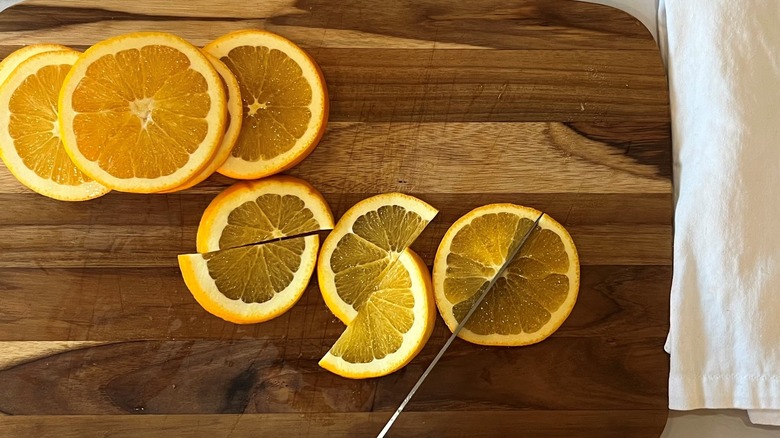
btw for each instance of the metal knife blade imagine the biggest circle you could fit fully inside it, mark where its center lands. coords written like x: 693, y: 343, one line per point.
x: 512, y: 254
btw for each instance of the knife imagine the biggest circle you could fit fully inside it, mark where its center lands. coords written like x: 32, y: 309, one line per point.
x: 460, y: 326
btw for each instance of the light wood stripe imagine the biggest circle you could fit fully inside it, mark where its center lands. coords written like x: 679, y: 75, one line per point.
x: 465, y: 158
x: 17, y: 352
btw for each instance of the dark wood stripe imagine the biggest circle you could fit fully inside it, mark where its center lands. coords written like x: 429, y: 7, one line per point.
x: 256, y: 376
x: 128, y: 304
x: 519, y: 24
x: 477, y: 424
x: 491, y: 23
x: 411, y: 85
x: 647, y: 145
x: 492, y: 85
x: 186, y: 208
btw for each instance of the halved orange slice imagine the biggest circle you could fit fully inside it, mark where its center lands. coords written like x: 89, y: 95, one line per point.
x: 258, y: 211
x: 363, y: 244
x: 254, y: 283
x: 392, y: 323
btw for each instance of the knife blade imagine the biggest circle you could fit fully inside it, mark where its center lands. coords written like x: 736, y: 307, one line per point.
x: 512, y: 254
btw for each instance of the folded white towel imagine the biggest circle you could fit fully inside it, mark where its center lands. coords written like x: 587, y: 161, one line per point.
x: 724, y: 76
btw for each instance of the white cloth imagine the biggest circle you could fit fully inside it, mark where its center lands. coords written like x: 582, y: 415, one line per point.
x: 724, y: 77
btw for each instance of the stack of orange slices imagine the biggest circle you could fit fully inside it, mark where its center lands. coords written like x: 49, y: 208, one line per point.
x: 149, y: 112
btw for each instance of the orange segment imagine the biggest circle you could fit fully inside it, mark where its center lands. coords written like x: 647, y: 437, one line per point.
x: 30, y: 145
x: 142, y: 112
x: 392, y: 325
x: 284, y: 97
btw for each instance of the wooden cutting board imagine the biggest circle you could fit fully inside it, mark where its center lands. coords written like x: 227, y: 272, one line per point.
x: 558, y: 105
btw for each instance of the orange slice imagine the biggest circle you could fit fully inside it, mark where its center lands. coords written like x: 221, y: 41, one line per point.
x: 258, y: 211
x: 13, y: 60
x: 285, y: 102
x: 234, y: 120
x: 377, y: 286
x: 246, y: 272
x: 533, y: 296
x: 142, y: 112
x: 30, y: 145
x: 392, y: 323
x: 251, y: 284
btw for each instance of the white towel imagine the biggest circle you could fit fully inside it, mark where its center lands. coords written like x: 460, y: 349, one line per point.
x: 724, y: 77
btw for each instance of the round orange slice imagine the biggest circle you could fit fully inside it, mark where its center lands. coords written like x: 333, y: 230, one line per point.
x: 251, y: 212
x: 30, y: 144
x: 285, y: 102
x: 531, y: 298
x: 142, y: 112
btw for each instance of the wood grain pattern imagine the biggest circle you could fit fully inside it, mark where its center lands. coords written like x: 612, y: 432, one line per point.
x: 282, y: 375
x: 402, y: 85
x: 547, y: 25
x: 157, y: 246
x: 443, y: 158
x: 106, y: 304
x: 14, y: 353
x: 556, y: 104
x: 584, y: 423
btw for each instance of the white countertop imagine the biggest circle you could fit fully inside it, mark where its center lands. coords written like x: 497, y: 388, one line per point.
x: 644, y: 10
